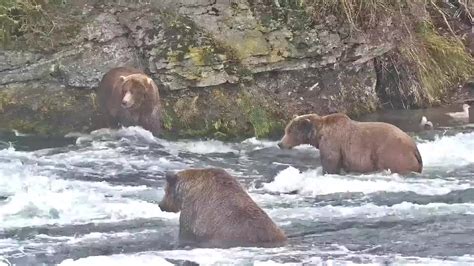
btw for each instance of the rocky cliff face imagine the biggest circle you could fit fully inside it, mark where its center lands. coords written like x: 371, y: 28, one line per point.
x: 224, y: 68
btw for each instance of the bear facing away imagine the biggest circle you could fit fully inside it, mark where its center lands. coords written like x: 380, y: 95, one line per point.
x: 216, y: 211
x: 354, y: 146
x: 128, y: 97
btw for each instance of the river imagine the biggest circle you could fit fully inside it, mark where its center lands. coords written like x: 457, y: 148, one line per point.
x: 91, y: 199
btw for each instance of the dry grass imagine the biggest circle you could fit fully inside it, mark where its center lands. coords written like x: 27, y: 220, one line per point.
x: 360, y: 14
x: 18, y: 17
x: 441, y: 62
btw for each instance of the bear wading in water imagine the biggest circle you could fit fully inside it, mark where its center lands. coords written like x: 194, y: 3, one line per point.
x: 354, y: 146
x: 128, y: 97
x: 216, y: 211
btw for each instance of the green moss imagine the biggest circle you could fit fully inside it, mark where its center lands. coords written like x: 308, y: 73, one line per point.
x: 180, y: 34
x: 5, y: 100
x: 167, y: 120
x: 30, y: 110
x: 219, y: 113
x: 175, y: 56
x: 202, y: 56
x: 257, y: 115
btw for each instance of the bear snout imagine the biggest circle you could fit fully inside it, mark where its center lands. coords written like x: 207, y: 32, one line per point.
x: 163, y: 206
x: 127, y: 100
x: 167, y: 207
x: 284, y: 145
x: 160, y: 204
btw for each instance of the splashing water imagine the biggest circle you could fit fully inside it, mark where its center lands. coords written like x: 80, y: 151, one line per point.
x: 94, y: 202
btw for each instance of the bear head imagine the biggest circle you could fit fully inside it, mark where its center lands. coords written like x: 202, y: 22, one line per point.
x: 194, y: 184
x: 300, y: 130
x: 135, y: 90
x: 171, y: 202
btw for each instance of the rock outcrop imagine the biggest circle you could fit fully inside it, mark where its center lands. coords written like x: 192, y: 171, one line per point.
x: 224, y: 68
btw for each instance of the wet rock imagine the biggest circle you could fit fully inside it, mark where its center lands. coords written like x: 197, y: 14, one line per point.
x: 286, y: 61
x: 328, y: 90
x: 46, y: 108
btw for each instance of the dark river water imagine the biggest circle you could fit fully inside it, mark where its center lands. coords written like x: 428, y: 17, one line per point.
x: 92, y: 200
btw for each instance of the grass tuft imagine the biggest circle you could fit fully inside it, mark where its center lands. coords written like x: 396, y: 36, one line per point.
x: 360, y: 14
x: 441, y: 62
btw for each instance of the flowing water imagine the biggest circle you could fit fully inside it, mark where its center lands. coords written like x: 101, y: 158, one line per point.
x: 92, y: 200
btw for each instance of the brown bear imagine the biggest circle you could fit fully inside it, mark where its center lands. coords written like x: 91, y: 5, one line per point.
x: 216, y: 211
x: 354, y: 146
x: 128, y: 97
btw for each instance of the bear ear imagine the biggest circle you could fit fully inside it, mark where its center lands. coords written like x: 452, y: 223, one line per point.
x: 123, y: 78
x: 149, y: 81
x: 171, y: 178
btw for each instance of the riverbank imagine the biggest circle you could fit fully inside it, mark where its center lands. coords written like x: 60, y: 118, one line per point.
x: 229, y: 69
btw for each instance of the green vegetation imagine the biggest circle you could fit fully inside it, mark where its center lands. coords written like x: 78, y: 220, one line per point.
x: 441, y: 62
x: 35, y: 23
x: 20, y: 16
x: 432, y: 62
x: 256, y: 114
x: 221, y: 114
x: 359, y: 14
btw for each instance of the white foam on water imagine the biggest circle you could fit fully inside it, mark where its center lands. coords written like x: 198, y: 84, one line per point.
x: 271, y: 263
x: 243, y: 256
x: 259, y: 256
x: 395, y: 259
x: 133, y: 132
x: 117, y: 260
x: 233, y: 256
x: 4, y: 262
x: 99, y: 160
x: 51, y: 244
x: 38, y: 196
x: 313, y: 182
x: 95, y: 237
x: 457, y: 150
x: 258, y: 144
x: 8, y: 245
x: 199, y: 146
x: 404, y: 210
x: 35, y: 199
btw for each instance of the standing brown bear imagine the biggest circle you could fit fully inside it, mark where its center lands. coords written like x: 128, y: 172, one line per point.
x: 216, y: 211
x: 128, y: 97
x: 354, y: 146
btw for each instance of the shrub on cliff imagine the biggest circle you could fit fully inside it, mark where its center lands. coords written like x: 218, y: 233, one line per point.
x: 433, y: 60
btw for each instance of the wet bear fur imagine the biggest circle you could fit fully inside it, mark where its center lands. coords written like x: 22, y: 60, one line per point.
x: 354, y: 146
x: 128, y: 97
x: 217, y: 212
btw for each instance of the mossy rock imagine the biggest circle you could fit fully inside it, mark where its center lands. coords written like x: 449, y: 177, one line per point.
x: 41, y: 110
x: 220, y: 113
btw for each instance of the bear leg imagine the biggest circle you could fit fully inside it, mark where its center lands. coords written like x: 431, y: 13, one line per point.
x: 330, y: 157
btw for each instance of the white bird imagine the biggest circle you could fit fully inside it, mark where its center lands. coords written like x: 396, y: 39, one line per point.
x: 425, y: 123
x: 464, y: 115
